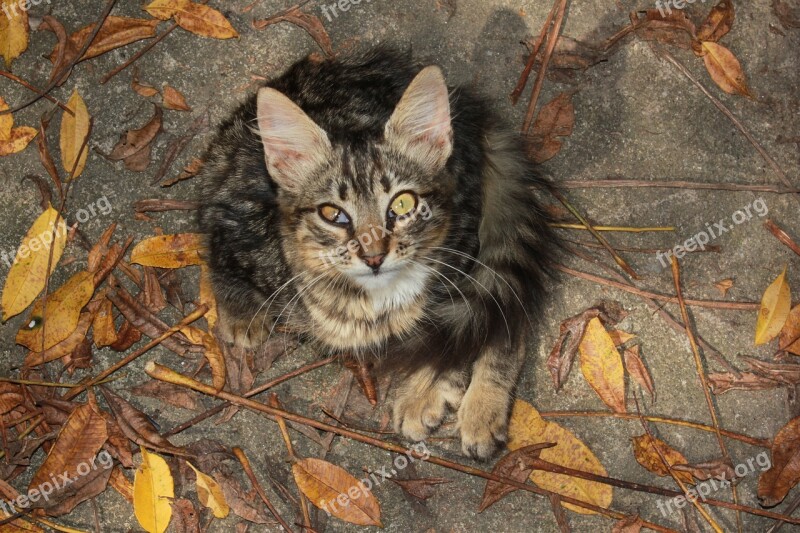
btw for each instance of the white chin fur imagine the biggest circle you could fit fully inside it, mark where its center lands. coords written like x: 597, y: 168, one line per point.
x: 394, y: 288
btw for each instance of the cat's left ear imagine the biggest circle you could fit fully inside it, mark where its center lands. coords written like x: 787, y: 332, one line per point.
x: 420, y: 125
x: 294, y: 146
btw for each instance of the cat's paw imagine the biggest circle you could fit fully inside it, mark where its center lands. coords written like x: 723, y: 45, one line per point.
x: 420, y: 406
x: 483, y: 421
x: 247, y: 334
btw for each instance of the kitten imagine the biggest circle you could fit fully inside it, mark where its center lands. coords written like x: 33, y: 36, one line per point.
x: 366, y: 205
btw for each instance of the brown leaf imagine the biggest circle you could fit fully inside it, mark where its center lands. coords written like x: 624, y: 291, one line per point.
x: 602, y: 365
x: 423, y: 488
x: 721, y: 469
x: 132, y: 142
x: 169, y: 393
x: 516, y: 465
x: 185, y: 519
x: 573, y: 54
x: 786, y: 373
x: 115, y: 33
x: 140, y: 88
x: 324, y: 484
x: 648, y: 452
x: 204, y: 21
x: 365, y: 378
x: 556, y: 119
x: 127, y: 336
x: 638, y: 371
x: 788, y: 15
x: 310, y: 23
x: 724, y: 286
x: 673, y: 28
x: 173, y: 99
x: 722, y: 382
x: 153, y: 295
x: 118, y: 445
x: 121, y: 484
x: 725, y: 69
x: 789, y: 337
x: 629, y: 524
x: 103, y: 330
x: 718, y: 22
x: 775, y: 483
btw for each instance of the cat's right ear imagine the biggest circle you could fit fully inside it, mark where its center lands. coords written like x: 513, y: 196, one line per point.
x: 294, y: 146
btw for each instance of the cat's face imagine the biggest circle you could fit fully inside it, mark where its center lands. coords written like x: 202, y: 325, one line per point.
x: 368, y: 214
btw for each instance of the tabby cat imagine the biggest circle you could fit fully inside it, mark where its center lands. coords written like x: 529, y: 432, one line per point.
x: 363, y: 203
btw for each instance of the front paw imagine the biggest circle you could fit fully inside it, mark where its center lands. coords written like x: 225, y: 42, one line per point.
x: 248, y: 334
x: 420, y: 405
x: 483, y: 422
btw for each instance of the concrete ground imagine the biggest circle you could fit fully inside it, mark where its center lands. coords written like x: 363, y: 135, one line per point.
x: 636, y: 117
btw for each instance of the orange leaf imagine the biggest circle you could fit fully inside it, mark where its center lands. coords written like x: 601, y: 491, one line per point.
x: 646, y: 451
x: 775, y: 306
x: 790, y: 334
x: 103, y: 325
x: 17, y: 141
x: 725, y: 69
x: 204, y: 21
x: 602, y: 365
x: 718, y: 22
x: 173, y: 99
x: 169, y: 251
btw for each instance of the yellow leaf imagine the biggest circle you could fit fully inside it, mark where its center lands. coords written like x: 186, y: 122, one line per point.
x: 215, y: 360
x: 204, y: 21
x: 61, y: 314
x: 103, y: 326
x: 14, y: 30
x: 646, y: 451
x: 165, y: 9
x: 168, y: 251
x: 790, y: 334
x: 775, y: 305
x: 725, y: 69
x: 6, y: 122
x: 602, y: 365
x: 326, y: 485
x: 27, y: 275
x: 68, y: 345
x: 527, y: 427
x: 17, y: 140
x: 74, y: 130
x: 210, y: 493
x: 153, y: 490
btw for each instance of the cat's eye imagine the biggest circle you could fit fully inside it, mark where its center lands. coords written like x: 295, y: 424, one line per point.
x: 402, y: 204
x: 334, y: 215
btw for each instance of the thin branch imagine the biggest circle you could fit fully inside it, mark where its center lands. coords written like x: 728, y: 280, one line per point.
x: 622, y: 183
x: 36, y: 90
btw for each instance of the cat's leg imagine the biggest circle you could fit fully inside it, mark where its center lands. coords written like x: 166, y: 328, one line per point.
x: 240, y: 320
x: 423, y: 399
x: 485, y: 408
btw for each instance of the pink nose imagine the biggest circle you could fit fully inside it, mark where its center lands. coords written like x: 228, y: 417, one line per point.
x: 374, y: 261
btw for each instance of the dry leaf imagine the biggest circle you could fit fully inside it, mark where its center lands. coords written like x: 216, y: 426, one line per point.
x: 68, y: 345
x: 216, y: 361
x: 784, y: 472
x: 516, y: 465
x: 788, y: 14
x: 169, y: 393
x: 722, y: 382
x: 28, y: 273
x: 602, y: 365
x: 74, y: 130
x: 6, y: 122
x: 173, y: 99
x: 18, y: 140
x: 718, y: 22
x: 14, y: 30
x: 134, y: 146
x: 61, y: 314
x: 153, y: 490
x: 527, y: 427
x: 724, y: 286
x: 629, y: 524
x: 165, y: 9
x: 204, y: 21
x: 207, y: 296
x: 725, y: 69
x: 186, y: 519
x: 310, y: 23
x: 169, y: 251
x: 555, y: 119
x: 323, y: 483
x: 103, y: 325
x: 121, y: 484
x: 210, y: 493
x: 775, y: 306
x: 789, y: 339
x: 720, y: 469
x: 115, y: 33
x: 142, y: 88
x: 635, y: 367
x: 646, y: 451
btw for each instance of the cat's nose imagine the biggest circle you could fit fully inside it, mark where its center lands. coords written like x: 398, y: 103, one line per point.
x: 374, y: 261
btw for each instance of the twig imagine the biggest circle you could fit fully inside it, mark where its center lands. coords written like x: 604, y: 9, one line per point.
x: 615, y: 183
x: 548, y: 53
x: 711, y: 304
x: 612, y: 228
x: 239, y: 453
x: 36, y: 90
x: 762, y: 443
x: 782, y: 236
x: 274, y: 403
x: 523, y: 79
x: 708, y: 248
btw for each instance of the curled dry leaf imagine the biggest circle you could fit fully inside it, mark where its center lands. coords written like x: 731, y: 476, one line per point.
x: 74, y: 130
x: 721, y: 469
x: 723, y: 286
x: 556, y: 119
x: 210, y: 493
x: 789, y: 338
x: 169, y: 251
x: 423, y: 488
x: 629, y: 524
x: 173, y: 99
x: 14, y: 30
x: 68, y: 345
x: 725, y: 69
x: 142, y: 89
x: 775, y: 306
x: 103, y: 325
x: 6, y: 121
x: 310, y: 23
x: 216, y: 361
x: 121, y: 484
x: 60, y: 317
x: 186, y: 518
x: 648, y: 452
x: 527, y: 427
x: 516, y: 465
x: 153, y: 490
x: 167, y: 392
x: 13, y: 140
x: 775, y: 483
x: 638, y: 371
x: 323, y: 482
x: 207, y: 297
x: 204, y: 21
x: 115, y: 33
x: 718, y: 23
x: 28, y: 273
x: 722, y: 382
x: 602, y: 365
x: 134, y: 146
x: 165, y: 9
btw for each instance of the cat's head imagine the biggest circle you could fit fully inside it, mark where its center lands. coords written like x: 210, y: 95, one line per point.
x: 370, y: 211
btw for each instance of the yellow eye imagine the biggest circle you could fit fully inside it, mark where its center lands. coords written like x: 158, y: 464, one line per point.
x: 333, y: 214
x: 402, y: 204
